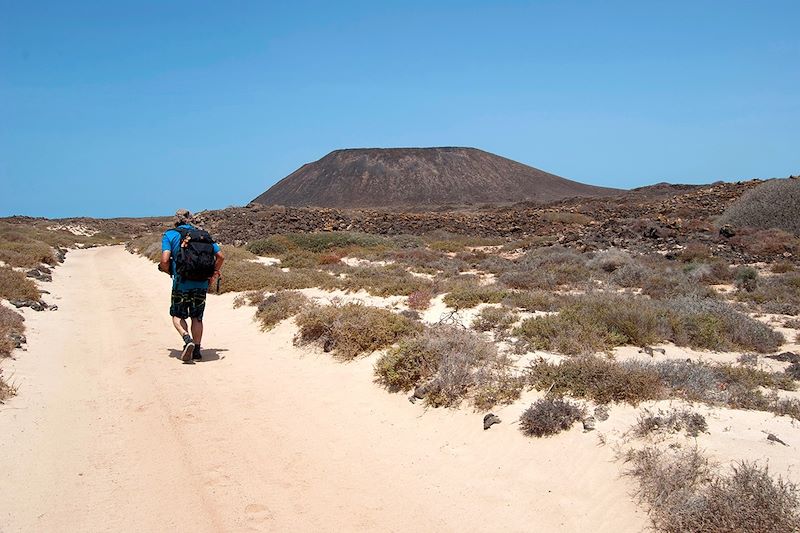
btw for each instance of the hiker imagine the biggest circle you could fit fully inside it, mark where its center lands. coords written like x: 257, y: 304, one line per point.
x: 193, y: 259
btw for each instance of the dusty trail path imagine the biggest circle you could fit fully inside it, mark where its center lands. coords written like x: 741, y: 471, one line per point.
x: 110, y: 432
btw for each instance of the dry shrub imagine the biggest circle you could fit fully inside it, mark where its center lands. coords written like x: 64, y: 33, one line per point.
x: 598, y: 322
x: 594, y: 323
x: 420, y: 300
x: 240, y: 276
x: 280, y: 306
x: 452, y: 363
x: 610, y: 260
x: 773, y: 204
x: 147, y: 245
x: 776, y: 294
x: 781, y: 267
x: 597, y: 379
x: 249, y: 298
x: 767, y: 243
x: 11, y: 323
x: 550, y: 416
x: 27, y: 254
x: 533, y: 301
x: 671, y: 421
x: 497, y: 319
x: 684, y: 493
x: 352, y: 329
x: 14, y: 285
x: 548, y: 268
x: 469, y: 295
x: 695, y: 252
x: 389, y: 280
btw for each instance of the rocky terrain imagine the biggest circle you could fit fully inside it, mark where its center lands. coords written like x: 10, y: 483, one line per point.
x: 419, y: 178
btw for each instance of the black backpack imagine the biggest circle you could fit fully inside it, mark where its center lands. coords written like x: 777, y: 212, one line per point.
x: 195, y: 260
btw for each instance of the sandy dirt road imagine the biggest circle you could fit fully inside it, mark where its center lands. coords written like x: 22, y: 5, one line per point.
x: 110, y: 432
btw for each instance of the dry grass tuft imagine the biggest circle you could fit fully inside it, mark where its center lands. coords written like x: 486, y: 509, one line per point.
x: 14, y: 285
x: 671, y: 421
x: 550, y: 416
x: 11, y: 324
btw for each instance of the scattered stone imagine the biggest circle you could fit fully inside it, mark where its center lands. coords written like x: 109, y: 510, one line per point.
x: 420, y: 391
x: 33, y: 304
x: 649, y: 350
x: 588, y: 423
x: 490, y: 420
x: 601, y: 413
x: 53, y: 308
x: 727, y: 231
x: 39, y: 275
x: 18, y: 339
x: 773, y: 438
x: 785, y: 357
x: 60, y: 254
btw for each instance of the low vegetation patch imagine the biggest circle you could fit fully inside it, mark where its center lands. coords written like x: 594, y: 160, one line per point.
x: 773, y: 204
x: 597, y: 379
x: 670, y: 421
x: 496, y: 319
x: 11, y: 325
x: 15, y: 286
x: 280, y: 306
x: 470, y: 295
x: 598, y: 322
x: 352, y: 329
x: 449, y: 363
x: 685, y: 493
x: 550, y: 416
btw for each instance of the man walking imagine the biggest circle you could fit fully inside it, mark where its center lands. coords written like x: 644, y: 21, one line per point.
x: 193, y: 260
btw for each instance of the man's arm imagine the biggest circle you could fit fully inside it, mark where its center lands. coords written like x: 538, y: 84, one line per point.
x: 163, y: 266
x: 218, y: 260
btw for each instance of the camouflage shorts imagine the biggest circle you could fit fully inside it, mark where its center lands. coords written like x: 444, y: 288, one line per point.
x: 188, y: 303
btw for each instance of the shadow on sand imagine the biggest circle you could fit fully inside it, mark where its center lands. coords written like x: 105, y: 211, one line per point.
x: 209, y: 354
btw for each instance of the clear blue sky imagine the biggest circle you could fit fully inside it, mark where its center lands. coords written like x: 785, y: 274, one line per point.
x: 115, y: 108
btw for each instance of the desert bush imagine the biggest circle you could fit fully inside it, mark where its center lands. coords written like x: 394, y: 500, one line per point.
x: 27, y: 254
x: 767, y: 243
x: 533, y: 300
x: 776, y: 294
x: 684, y: 493
x: 773, y: 204
x: 695, y: 252
x: 497, y: 319
x: 147, y: 245
x: 11, y: 323
x: 452, y: 363
x: 352, y: 329
x: 274, y: 245
x: 671, y: 421
x: 594, y: 323
x: 299, y: 259
x: 787, y: 407
x: 420, y: 300
x: 793, y: 371
x: 280, y: 306
x: 610, y: 260
x: 464, y: 296
x: 781, y: 267
x: 548, y: 268
x: 14, y: 285
x: 596, y: 379
x: 550, y: 416
x: 388, y: 280
x: 240, y: 276
x: 717, y: 325
x: 746, y: 278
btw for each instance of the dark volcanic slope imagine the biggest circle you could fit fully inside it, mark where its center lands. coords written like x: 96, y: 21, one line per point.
x: 415, y: 177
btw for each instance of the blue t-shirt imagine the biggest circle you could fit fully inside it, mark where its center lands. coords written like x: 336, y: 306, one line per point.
x: 171, y: 242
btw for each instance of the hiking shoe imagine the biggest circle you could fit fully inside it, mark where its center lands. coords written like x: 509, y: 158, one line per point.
x: 188, y: 350
x: 196, y: 355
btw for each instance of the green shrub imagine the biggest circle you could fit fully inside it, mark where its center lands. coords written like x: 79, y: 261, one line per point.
x: 352, y: 329
x: 469, y: 296
x: 550, y: 416
x: 533, y: 301
x: 390, y: 280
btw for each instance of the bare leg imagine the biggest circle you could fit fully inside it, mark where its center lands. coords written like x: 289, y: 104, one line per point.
x: 197, y: 330
x: 180, y: 325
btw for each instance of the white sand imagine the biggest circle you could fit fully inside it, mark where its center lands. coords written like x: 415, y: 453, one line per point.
x: 110, y: 433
